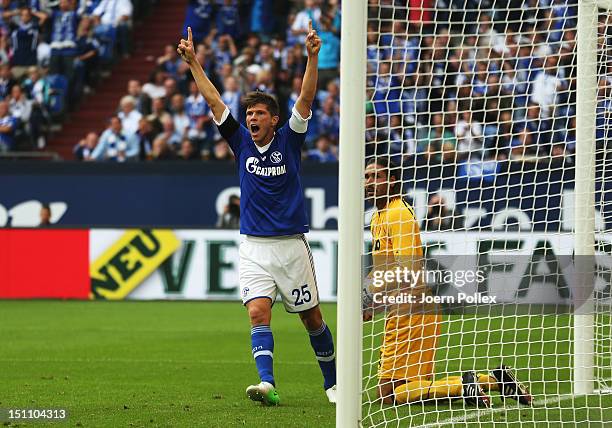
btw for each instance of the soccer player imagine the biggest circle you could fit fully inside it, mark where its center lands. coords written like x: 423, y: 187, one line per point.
x: 274, y: 256
x: 407, y: 356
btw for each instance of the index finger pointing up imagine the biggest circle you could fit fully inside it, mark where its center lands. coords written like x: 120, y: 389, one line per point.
x: 310, y: 25
x: 189, y: 35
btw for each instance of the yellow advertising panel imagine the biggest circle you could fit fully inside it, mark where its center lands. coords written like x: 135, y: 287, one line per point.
x: 126, y: 264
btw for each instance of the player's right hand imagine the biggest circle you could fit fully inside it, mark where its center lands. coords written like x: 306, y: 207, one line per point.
x: 185, y: 48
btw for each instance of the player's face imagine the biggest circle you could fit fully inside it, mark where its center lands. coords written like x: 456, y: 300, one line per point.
x: 376, y: 181
x: 260, y: 123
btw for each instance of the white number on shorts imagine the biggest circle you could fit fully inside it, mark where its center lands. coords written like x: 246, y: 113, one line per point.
x: 302, y: 295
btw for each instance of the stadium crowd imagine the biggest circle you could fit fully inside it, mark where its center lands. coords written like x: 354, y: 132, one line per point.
x: 445, y: 85
x: 466, y: 82
x: 242, y: 49
x: 50, y: 51
x: 473, y: 85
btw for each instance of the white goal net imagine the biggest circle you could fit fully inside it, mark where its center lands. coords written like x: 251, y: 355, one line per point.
x: 472, y: 178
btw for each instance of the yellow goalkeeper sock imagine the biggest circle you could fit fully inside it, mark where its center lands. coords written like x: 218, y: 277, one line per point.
x: 488, y: 382
x: 427, y: 390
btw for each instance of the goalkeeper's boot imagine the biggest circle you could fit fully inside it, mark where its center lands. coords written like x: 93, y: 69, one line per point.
x: 263, y: 392
x: 473, y: 394
x: 509, y: 385
x: 331, y: 394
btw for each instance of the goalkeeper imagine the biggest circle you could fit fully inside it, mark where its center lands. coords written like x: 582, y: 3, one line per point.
x: 407, y: 356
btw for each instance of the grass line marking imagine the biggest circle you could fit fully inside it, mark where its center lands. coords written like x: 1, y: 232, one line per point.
x: 476, y: 414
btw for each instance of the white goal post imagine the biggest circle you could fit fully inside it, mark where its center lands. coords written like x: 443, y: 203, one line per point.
x: 584, y: 372
x: 584, y: 234
x: 350, y: 201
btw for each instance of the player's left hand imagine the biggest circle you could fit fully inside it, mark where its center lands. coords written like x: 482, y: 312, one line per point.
x: 185, y: 48
x: 313, y: 41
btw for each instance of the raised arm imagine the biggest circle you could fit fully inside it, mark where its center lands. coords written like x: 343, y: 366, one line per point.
x: 309, y: 83
x: 208, y: 90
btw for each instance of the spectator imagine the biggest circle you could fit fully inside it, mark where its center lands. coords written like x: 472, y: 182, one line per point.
x: 231, y: 95
x: 88, y: 49
x: 310, y: 13
x: 198, y: 17
x: 329, y: 119
x: 83, y: 150
x: 171, y: 89
x: 331, y: 90
x: 129, y: 116
x: 228, y: 20
x: 224, y: 51
x: 488, y: 37
x: 113, y: 144
x: 155, y: 87
x: 187, y: 151
x: 296, y: 87
x: 469, y: 135
x: 439, y: 217
x: 547, y: 85
x: 323, y: 151
x: 7, y: 128
x: 143, y: 102
x: 143, y: 139
x: 222, y: 151
x: 230, y: 219
x: 21, y: 109
x: 169, y: 62
x: 113, y: 21
x: 45, y: 216
x: 198, y: 111
x: 64, y: 40
x: 290, y: 38
x: 6, y: 80
x: 161, y: 150
x: 24, y: 40
x: 329, y: 56
x: 538, y: 127
x: 181, y: 120
x: 4, y: 49
x: 265, y: 58
x: 264, y: 82
x: 262, y: 17
x: 36, y: 88
x: 158, y: 111
x: 36, y: 85
x: 171, y: 136
x: 414, y: 98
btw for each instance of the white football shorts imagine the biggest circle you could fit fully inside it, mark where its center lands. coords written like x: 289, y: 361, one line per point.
x: 278, y: 265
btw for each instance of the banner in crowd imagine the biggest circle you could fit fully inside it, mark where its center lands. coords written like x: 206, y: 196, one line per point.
x: 194, y: 195
x: 195, y: 264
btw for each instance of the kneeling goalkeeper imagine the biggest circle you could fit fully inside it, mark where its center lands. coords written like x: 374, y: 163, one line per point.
x: 407, y: 356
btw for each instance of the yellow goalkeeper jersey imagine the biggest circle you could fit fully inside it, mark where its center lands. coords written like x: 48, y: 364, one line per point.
x: 395, y: 230
x: 410, y: 340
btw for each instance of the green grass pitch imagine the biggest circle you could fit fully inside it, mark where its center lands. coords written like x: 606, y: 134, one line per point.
x: 186, y: 364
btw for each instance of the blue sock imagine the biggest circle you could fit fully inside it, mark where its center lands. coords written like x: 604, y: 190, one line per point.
x: 262, y: 342
x: 323, y: 344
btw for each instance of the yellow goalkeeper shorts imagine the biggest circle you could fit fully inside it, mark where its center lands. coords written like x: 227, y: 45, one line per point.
x: 409, y: 347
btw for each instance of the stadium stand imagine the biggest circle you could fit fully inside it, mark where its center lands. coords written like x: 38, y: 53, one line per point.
x: 501, y: 92
x: 51, y: 55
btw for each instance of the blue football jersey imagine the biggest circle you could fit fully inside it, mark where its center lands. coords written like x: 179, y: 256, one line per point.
x: 271, y: 196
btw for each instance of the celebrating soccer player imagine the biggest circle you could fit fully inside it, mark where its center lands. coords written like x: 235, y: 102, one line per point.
x: 274, y: 255
x: 407, y: 356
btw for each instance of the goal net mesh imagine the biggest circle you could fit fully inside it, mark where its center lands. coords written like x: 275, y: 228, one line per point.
x: 471, y: 107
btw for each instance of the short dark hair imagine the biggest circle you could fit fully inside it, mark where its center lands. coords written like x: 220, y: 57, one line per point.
x: 392, y: 170
x: 258, y: 97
